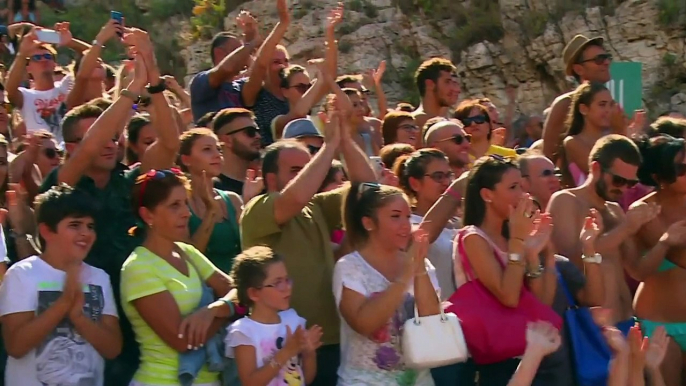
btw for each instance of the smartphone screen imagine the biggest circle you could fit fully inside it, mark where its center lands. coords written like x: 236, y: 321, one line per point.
x: 378, y: 165
x: 48, y: 36
x: 118, y: 17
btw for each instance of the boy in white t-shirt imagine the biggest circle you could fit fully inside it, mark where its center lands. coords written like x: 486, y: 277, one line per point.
x: 58, y: 314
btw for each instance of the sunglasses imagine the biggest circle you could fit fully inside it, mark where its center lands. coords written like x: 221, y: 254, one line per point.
x: 619, y: 181
x: 545, y: 173
x: 250, y: 131
x: 409, y: 127
x: 458, y: 139
x: 78, y: 140
x: 8, y: 107
x: 598, y: 59
x: 367, y: 186
x: 313, y: 149
x: 440, y: 177
x: 281, y: 285
x: 478, y: 119
x: 301, y: 87
x: 39, y: 57
x: 153, y: 174
x: 50, y: 153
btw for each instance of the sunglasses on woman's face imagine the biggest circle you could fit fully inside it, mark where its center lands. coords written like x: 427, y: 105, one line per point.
x: 477, y: 119
x: 39, y: 57
x: 281, y: 285
x: 440, y: 177
x: 619, y: 181
x: 50, y: 153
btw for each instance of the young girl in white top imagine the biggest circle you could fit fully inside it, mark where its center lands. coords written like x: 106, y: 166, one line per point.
x: 271, y: 345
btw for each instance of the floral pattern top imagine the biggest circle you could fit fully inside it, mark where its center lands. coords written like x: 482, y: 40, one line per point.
x: 375, y: 360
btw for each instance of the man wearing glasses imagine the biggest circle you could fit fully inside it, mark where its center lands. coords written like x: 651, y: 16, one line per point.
x: 449, y: 137
x: 539, y: 178
x: 587, y: 61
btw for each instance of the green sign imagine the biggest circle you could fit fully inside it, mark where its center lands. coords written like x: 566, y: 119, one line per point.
x: 626, y: 85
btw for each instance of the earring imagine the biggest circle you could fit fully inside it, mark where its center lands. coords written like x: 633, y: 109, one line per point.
x: 488, y: 201
x: 149, y: 225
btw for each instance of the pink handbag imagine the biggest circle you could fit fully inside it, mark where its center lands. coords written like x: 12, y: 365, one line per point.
x: 493, y: 331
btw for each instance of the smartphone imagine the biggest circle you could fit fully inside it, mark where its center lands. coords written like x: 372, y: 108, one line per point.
x: 378, y: 165
x: 48, y: 36
x: 118, y: 17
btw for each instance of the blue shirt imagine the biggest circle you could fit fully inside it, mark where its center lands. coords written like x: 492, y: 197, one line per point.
x: 205, y: 99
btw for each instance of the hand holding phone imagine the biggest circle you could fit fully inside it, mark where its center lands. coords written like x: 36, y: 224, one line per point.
x: 118, y: 17
x: 378, y: 165
x: 48, y: 36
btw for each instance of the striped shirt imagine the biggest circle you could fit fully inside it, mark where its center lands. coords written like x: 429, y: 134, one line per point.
x: 144, y: 274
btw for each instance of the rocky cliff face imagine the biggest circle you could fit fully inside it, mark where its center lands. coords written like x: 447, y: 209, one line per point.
x: 521, y: 46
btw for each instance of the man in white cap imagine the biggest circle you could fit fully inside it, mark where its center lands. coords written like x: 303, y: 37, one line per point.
x: 587, y: 61
x: 305, y: 132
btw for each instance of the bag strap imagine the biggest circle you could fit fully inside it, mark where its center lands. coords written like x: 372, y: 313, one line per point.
x: 463, y: 255
x: 440, y: 308
x: 565, y: 289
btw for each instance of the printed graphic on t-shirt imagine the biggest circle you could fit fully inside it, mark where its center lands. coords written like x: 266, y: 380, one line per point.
x: 291, y: 374
x: 65, y: 358
x: 51, y: 112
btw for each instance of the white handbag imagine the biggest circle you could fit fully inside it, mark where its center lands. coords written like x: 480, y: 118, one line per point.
x: 433, y: 341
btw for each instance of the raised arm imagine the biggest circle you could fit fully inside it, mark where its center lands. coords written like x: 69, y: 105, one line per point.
x: 237, y: 60
x: 265, y: 54
x: 304, y: 186
x: 302, y: 107
x: 29, y: 43
x: 554, y: 127
x: 104, y: 129
x: 161, y: 154
x: 90, y: 61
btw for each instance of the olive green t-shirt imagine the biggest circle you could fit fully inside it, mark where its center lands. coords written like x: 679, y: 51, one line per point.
x: 305, y: 244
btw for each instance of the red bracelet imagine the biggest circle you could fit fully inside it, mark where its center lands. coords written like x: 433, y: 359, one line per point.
x: 453, y: 194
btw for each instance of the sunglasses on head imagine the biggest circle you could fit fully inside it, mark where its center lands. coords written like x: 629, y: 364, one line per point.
x: 458, y: 139
x: 478, y: 119
x: 301, y: 87
x: 153, y: 174
x: 39, y: 57
x: 366, y: 187
x: 619, y: 181
x: 250, y: 131
x: 440, y: 177
x: 598, y: 59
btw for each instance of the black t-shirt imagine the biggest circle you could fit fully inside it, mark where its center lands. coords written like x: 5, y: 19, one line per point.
x: 226, y: 183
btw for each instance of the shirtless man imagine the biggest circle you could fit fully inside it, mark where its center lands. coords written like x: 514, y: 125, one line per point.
x: 659, y: 300
x: 438, y: 88
x: 614, y: 162
x: 587, y: 61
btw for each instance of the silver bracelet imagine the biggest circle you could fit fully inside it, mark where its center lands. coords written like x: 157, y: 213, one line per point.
x: 537, y: 273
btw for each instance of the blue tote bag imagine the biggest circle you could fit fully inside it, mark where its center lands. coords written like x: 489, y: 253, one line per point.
x: 590, y: 351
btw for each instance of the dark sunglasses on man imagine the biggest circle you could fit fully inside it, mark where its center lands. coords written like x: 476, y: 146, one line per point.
x: 619, y: 181
x: 250, y: 131
x: 598, y: 59
x: 302, y: 87
x: 458, y: 139
x: 39, y: 57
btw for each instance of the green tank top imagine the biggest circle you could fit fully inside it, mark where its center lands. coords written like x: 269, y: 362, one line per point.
x: 225, y: 241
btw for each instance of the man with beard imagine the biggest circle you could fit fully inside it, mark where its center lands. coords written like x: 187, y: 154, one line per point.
x: 614, y: 162
x: 538, y: 178
x: 241, y: 144
x: 587, y: 61
x: 449, y: 137
x: 438, y: 88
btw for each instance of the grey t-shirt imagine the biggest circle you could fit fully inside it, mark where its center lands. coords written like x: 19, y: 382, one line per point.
x: 558, y: 368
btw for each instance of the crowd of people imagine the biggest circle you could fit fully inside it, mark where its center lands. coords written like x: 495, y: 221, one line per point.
x: 270, y: 227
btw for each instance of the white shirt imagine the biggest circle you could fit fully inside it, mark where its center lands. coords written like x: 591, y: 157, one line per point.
x: 64, y: 358
x: 375, y: 360
x: 44, y: 110
x: 267, y: 339
x: 441, y: 256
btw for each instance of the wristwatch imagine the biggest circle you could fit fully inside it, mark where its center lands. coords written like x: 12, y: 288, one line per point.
x: 537, y: 273
x: 95, y: 42
x: 130, y: 94
x: 158, y: 88
x: 595, y: 259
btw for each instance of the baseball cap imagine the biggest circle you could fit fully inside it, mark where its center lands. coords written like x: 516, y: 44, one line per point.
x: 303, y: 127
